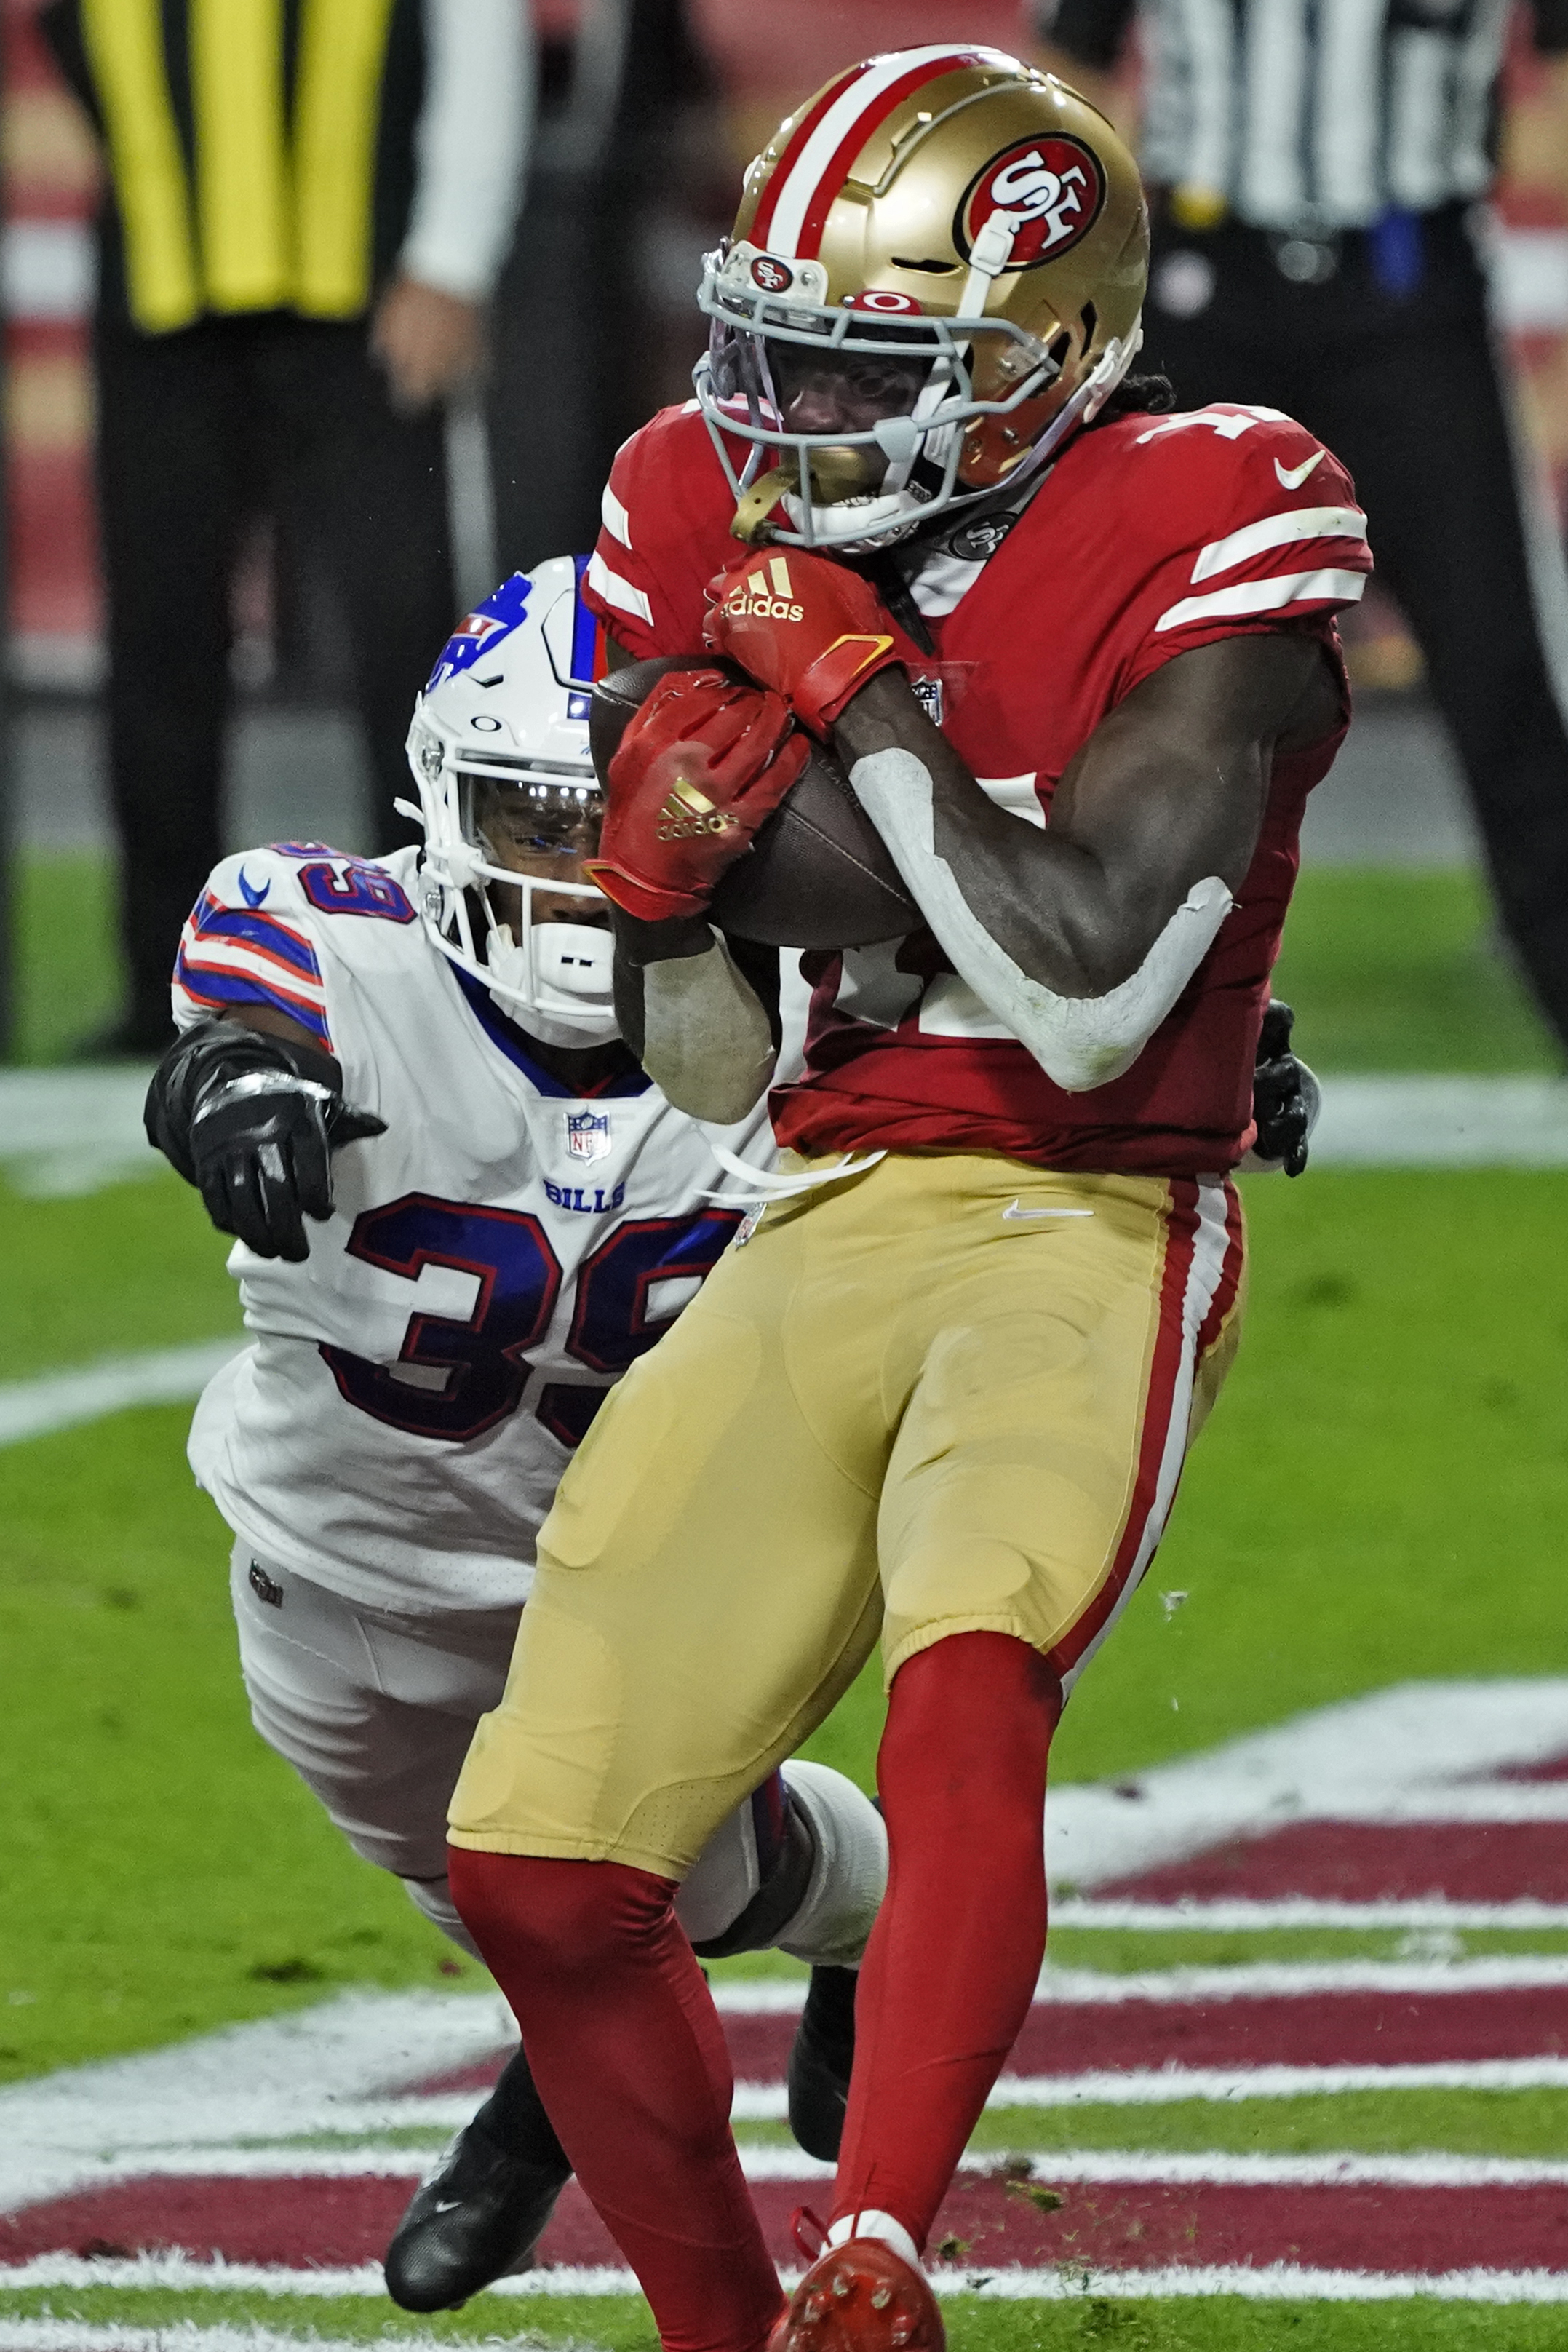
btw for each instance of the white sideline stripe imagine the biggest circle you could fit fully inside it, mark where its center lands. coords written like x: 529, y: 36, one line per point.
x: 1166, y: 2086
x: 1334, y: 2169
x: 1432, y: 1738
x: 1278, y: 530
x: 615, y: 518
x: 1267, y: 596
x: 357, y: 2163
x: 1274, y: 2283
x: 1410, y: 1121
x: 184, y: 2273
x: 264, y: 2081
x: 1303, y: 1979
x: 1252, y: 1981
x: 1271, y: 2282
x: 1234, y: 1916
x: 63, y: 1399
x: 617, y: 592
x: 64, y: 1133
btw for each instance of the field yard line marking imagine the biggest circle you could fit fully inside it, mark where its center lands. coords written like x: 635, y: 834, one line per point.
x: 53, y: 1400
x: 1236, y: 1915
x: 1380, y: 1746
x: 1166, y: 2085
x: 1271, y: 2282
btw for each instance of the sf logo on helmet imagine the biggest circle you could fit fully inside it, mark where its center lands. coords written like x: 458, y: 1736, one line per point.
x: 1051, y: 190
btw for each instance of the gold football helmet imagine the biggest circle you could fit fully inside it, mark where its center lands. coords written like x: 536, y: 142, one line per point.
x: 935, y: 273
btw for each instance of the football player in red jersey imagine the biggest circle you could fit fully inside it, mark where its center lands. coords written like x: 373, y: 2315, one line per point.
x: 944, y: 1391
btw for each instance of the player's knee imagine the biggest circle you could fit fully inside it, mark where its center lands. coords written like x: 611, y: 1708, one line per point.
x: 434, y: 1897
x: 964, y: 1704
x: 530, y: 1911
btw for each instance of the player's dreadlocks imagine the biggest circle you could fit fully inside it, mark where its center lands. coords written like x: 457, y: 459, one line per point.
x: 1135, y: 396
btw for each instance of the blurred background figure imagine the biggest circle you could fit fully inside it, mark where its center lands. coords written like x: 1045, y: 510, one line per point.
x: 1315, y: 175
x: 304, y: 212
x: 647, y: 112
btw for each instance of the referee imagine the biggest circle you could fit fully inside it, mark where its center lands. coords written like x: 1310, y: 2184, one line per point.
x: 307, y: 204
x: 1315, y: 171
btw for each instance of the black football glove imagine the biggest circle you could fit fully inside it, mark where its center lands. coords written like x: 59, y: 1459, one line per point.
x: 252, y: 1121
x: 1286, y: 1096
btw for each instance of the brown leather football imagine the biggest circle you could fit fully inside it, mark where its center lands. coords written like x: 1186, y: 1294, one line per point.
x: 816, y: 876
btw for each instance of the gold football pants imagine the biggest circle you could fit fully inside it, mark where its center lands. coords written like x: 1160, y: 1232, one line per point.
x: 952, y: 1394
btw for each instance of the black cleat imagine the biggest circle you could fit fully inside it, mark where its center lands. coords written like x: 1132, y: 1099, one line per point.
x: 820, y: 2057
x: 483, y: 2210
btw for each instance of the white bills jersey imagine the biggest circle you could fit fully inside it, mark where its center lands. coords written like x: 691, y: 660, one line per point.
x: 413, y: 1393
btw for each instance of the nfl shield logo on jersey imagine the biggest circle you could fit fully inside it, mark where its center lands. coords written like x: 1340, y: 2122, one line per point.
x: 588, y: 1134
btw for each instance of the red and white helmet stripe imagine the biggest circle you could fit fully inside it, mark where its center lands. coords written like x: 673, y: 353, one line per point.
x: 826, y: 142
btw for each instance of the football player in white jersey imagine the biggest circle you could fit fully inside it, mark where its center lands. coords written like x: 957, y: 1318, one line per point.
x: 421, y: 1057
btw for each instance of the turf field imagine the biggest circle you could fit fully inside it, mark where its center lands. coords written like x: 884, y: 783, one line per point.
x: 1379, y: 1500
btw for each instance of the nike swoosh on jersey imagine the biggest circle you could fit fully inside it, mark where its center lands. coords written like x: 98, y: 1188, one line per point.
x: 1293, y: 477
x: 1015, y: 1213
x: 248, y: 891
x: 446, y: 2204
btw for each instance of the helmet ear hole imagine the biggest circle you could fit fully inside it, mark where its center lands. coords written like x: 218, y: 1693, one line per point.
x: 1091, y: 318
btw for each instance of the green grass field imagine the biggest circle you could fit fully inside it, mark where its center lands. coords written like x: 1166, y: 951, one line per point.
x: 1380, y: 1497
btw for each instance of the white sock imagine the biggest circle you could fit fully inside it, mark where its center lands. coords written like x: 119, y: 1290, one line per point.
x: 831, y: 1926
x: 873, y: 2224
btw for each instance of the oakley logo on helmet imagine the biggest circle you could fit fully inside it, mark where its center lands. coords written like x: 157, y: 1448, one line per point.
x: 773, y: 276
x: 884, y: 299
x: 1050, y: 190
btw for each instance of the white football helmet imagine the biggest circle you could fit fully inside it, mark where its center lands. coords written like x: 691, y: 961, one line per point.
x: 500, y: 736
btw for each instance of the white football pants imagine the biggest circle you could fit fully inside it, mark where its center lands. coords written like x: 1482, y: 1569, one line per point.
x: 374, y: 1710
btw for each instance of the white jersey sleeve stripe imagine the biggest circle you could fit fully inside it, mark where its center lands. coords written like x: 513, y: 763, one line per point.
x: 1267, y: 596
x: 1278, y: 530
x: 618, y: 592
x: 616, y: 519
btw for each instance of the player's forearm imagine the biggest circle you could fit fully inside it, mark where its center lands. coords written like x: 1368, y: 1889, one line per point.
x: 1080, y: 955
x: 697, y: 1027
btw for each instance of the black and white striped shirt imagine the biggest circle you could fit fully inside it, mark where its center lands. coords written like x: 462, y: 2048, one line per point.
x: 1303, y: 114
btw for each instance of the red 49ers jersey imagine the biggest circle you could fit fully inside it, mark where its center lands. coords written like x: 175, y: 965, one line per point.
x: 1150, y: 536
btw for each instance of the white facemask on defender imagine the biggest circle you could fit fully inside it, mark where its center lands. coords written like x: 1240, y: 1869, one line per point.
x: 498, y: 748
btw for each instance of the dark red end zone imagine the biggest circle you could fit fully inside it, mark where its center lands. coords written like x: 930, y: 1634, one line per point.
x: 986, y: 2222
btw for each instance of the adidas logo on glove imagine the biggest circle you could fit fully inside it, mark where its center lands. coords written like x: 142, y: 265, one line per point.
x: 688, y: 811
x: 766, y: 594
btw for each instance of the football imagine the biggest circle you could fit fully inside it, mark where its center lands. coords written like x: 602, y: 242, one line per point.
x: 816, y: 876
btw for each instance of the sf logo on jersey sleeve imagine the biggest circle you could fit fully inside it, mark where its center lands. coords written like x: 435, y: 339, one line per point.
x: 1050, y: 191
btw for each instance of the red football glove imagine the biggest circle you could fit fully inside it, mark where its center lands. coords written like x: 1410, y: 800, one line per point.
x: 807, y: 628
x: 701, y: 766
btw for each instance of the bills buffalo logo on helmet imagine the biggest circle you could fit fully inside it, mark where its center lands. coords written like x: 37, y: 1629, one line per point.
x: 1051, y: 190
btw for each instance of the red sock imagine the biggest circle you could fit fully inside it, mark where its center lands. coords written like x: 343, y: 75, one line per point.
x: 624, y: 2044
x: 951, y: 1967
